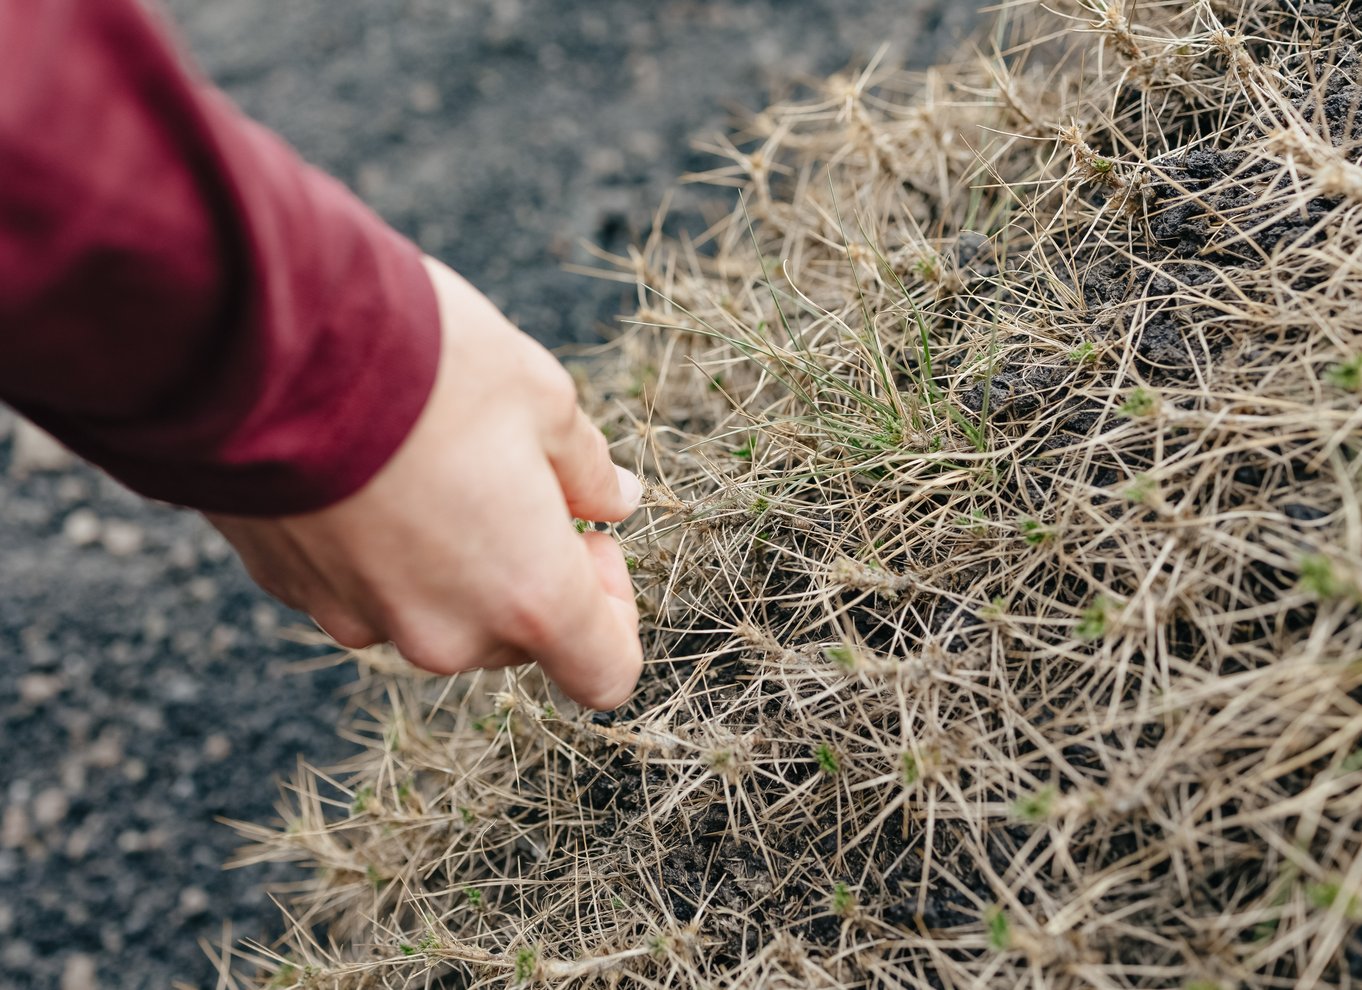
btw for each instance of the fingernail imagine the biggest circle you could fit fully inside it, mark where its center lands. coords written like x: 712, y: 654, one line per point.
x: 631, y: 489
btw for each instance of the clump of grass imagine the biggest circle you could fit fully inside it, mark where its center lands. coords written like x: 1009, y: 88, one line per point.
x: 843, y: 900
x: 1095, y: 620
x: 999, y: 929
x: 826, y: 759
x: 1007, y: 580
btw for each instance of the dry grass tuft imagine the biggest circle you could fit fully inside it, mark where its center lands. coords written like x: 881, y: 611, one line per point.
x: 1003, y: 571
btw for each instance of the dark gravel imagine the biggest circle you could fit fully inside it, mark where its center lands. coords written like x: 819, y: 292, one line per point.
x: 144, y: 690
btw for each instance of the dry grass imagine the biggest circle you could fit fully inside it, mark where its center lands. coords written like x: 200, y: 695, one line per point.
x: 1002, y: 572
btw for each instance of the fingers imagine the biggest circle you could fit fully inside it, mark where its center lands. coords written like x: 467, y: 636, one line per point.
x: 582, y: 625
x: 439, y: 645
x: 593, y: 486
x: 446, y: 663
x: 347, y: 630
x: 611, y: 568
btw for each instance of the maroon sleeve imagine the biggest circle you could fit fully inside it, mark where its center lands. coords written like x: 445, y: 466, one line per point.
x: 182, y: 300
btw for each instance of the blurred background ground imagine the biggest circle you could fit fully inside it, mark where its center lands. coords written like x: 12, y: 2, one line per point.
x: 144, y: 689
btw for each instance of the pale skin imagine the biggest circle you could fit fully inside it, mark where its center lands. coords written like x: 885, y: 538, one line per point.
x: 461, y: 551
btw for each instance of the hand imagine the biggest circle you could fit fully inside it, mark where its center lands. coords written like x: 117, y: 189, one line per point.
x: 461, y: 550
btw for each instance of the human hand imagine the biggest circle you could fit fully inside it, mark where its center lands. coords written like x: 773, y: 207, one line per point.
x: 461, y: 550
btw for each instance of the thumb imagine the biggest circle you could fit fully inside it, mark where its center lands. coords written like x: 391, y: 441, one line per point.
x: 593, y: 486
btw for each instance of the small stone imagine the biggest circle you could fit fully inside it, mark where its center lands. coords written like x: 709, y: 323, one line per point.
x: 17, y: 955
x: 79, y: 843
x: 111, y: 940
x: 38, y: 689
x: 970, y: 245
x: 79, y: 973
x: 38, y: 646
x: 36, y: 451
x: 490, y: 82
x: 14, y: 828
x: 77, y: 914
x: 50, y: 807
x: 180, y: 688
x: 71, y: 489
x: 155, y: 625
x: 424, y: 97
x: 148, y: 718
x: 182, y: 555
x: 81, y: 527
x: 76, y: 722
x: 264, y: 619
x: 217, y: 748
x: 222, y: 639
x: 203, y: 589
x: 73, y: 776
x: 214, y: 547
x: 77, y: 669
x: 644, y: 144
x: 187, y: 641
x: 135, y: 771
x: 106, y: 751
x: 193, y: 901
x: 371, y: 180
x: 431, y: 235
x: 121, y: 538
x: 604, y: 161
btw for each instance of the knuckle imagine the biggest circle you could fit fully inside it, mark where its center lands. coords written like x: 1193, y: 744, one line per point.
x: 558, y: 396
x: 422, y: 650
x: 432, y: 651
x: 346, y: 630
x: 536, y: 611
x: 598, y: 449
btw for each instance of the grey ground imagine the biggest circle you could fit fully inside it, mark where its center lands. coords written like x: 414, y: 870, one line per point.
x: 144, y: 688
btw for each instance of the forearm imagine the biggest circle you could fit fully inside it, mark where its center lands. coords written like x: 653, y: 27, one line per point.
x: 182, y: 300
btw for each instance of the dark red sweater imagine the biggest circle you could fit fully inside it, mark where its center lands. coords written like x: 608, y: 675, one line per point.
x: 182, y: 300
